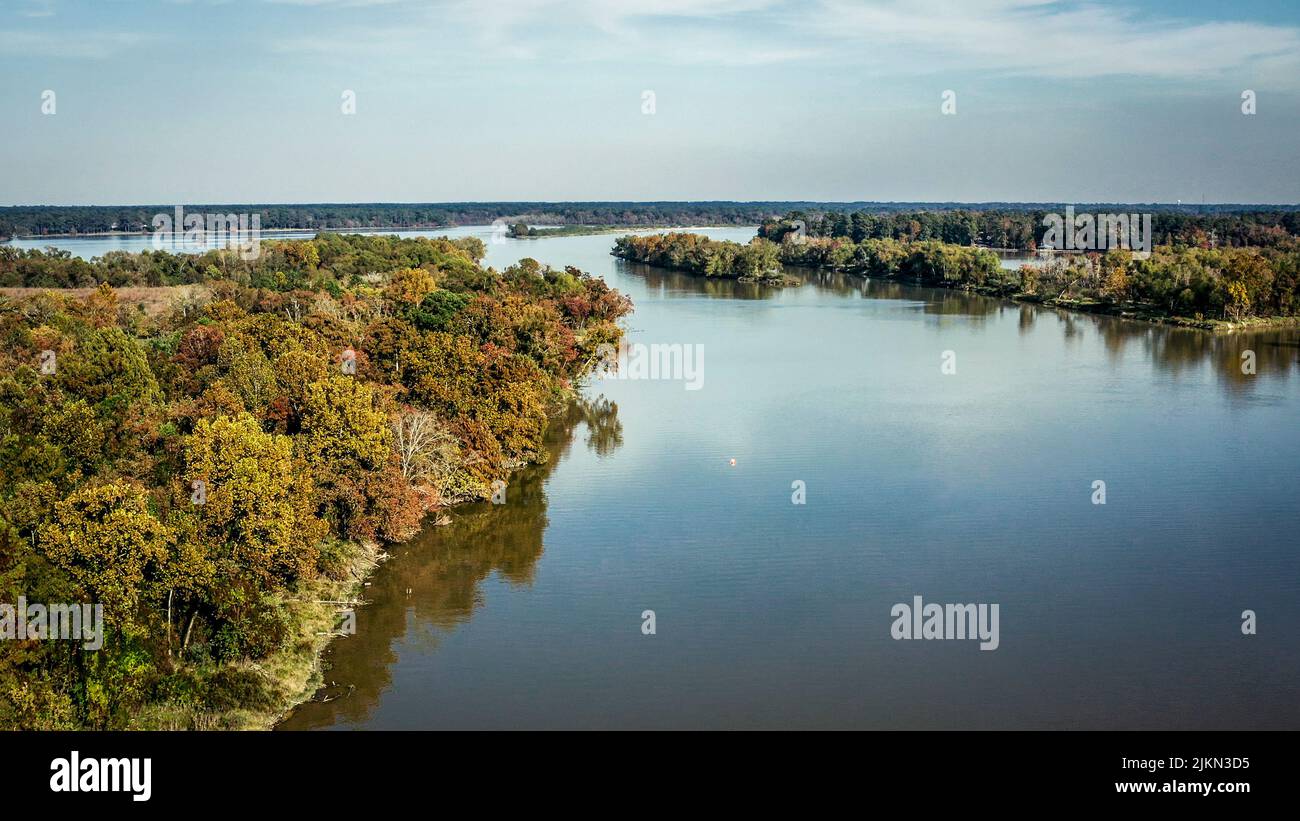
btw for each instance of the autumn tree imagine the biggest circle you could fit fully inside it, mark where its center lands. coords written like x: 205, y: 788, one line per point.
x: 108, y: 367
x: 105, y: 538
x: 409, y: 285
x: 255, y: 521
x: 346, y: 441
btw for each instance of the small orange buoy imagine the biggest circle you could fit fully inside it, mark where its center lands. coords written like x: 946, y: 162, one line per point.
x: 733, y: 463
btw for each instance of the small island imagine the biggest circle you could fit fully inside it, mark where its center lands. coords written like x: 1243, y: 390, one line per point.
x: 1189, y: 279
x: 759, y: 261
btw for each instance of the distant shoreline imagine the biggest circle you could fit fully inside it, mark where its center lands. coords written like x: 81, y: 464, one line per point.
x: 100, y: 234
x: 544, y: 230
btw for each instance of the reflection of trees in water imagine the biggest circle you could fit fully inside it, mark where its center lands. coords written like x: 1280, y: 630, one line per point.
x: 1173, y: 350
x: 961, y: 303
x: 1028, y: 313
x: 443, y: 568
x: 600, y: 416
x: 835, y: 282
x: 666, y: 281
x: 1276, y: 354
x: 1176, y: 351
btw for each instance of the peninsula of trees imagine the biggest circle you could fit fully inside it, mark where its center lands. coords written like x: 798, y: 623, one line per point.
x: 217, y: 464
x: 1195, y: 285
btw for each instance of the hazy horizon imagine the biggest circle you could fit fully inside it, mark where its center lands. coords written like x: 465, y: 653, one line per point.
x: 972, y: 204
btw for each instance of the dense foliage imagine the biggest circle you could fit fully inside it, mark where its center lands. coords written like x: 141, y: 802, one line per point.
x: 758, y: 261
x: 37, y: 220
x: 330, y: 262
x: 196, y: 470
x: 1225, y: 283
x: 1023, y: 229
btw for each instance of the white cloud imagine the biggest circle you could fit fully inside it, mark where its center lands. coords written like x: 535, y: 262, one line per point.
x: 353, y: 3
x: 1050, y: 39
x: 90, y: 45
x: 1018, y: 38
x: 37, y: 8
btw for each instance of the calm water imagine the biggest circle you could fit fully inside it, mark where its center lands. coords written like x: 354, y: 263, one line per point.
x: 96, y: 246
x: 972, y: 487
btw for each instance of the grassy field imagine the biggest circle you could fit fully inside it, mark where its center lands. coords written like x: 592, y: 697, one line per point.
x: 152, y: 300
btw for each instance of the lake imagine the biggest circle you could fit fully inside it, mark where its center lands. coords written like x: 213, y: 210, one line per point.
x: 975, y: 486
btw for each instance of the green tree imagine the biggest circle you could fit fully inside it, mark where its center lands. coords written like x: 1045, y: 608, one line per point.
x: 256, y: 520
x: 105, y: 538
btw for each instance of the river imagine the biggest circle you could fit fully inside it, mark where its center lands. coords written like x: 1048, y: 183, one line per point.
x: 963, y: 487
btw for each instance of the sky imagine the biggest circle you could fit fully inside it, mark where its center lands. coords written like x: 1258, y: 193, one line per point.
x: 243, y: 101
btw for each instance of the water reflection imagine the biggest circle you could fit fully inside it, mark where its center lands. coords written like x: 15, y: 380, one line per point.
x: 1172, y: 350
x: 662, y: 282
x: 430, y: 585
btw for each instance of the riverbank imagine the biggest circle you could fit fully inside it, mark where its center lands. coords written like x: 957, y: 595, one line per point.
x: 543, y: 232
x: 1181, y: 286
x: 540, y: 231
x: 259, y: 694
x: 1128, y: 310
x: 255, y: 695
x: 311, y: 230
x: 1145, y: 314
x: 298, y: 672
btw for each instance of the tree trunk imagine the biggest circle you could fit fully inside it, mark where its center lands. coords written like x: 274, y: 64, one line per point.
x: 169, y: 622
x: 185, y: 641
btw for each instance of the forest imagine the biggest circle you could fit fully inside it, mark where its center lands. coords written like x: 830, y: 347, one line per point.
x: 40, y: 220
x: 757, y: 261
x: 995, y: 224
x: 1022, y: 228
x: 219, y: 465
x: 1206, y: 285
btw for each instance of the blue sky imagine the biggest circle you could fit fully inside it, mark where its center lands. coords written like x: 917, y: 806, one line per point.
x: 162, y: 101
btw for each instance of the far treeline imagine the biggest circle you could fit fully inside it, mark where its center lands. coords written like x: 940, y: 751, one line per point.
x: 1023, y: 230
x: 1199, y: 284
x: 999, y: 224
x: 21, y: 221
x: 218, y: 473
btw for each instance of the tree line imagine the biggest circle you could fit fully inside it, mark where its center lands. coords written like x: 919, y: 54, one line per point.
x: 757, y: 261
x: 39, y: 220
x: 1023, y: 229
x: 1224, y: 283
x: 1001, y: 225
x: 208, y: 472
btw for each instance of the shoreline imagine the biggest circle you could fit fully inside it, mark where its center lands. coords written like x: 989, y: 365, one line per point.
x: 291, y: 675
x: 299, y: 667
x: 1084, y: 306
x: 103, y: 234
x: 1128, y: 311
x: 296, y: 672
x: 595, y: 230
